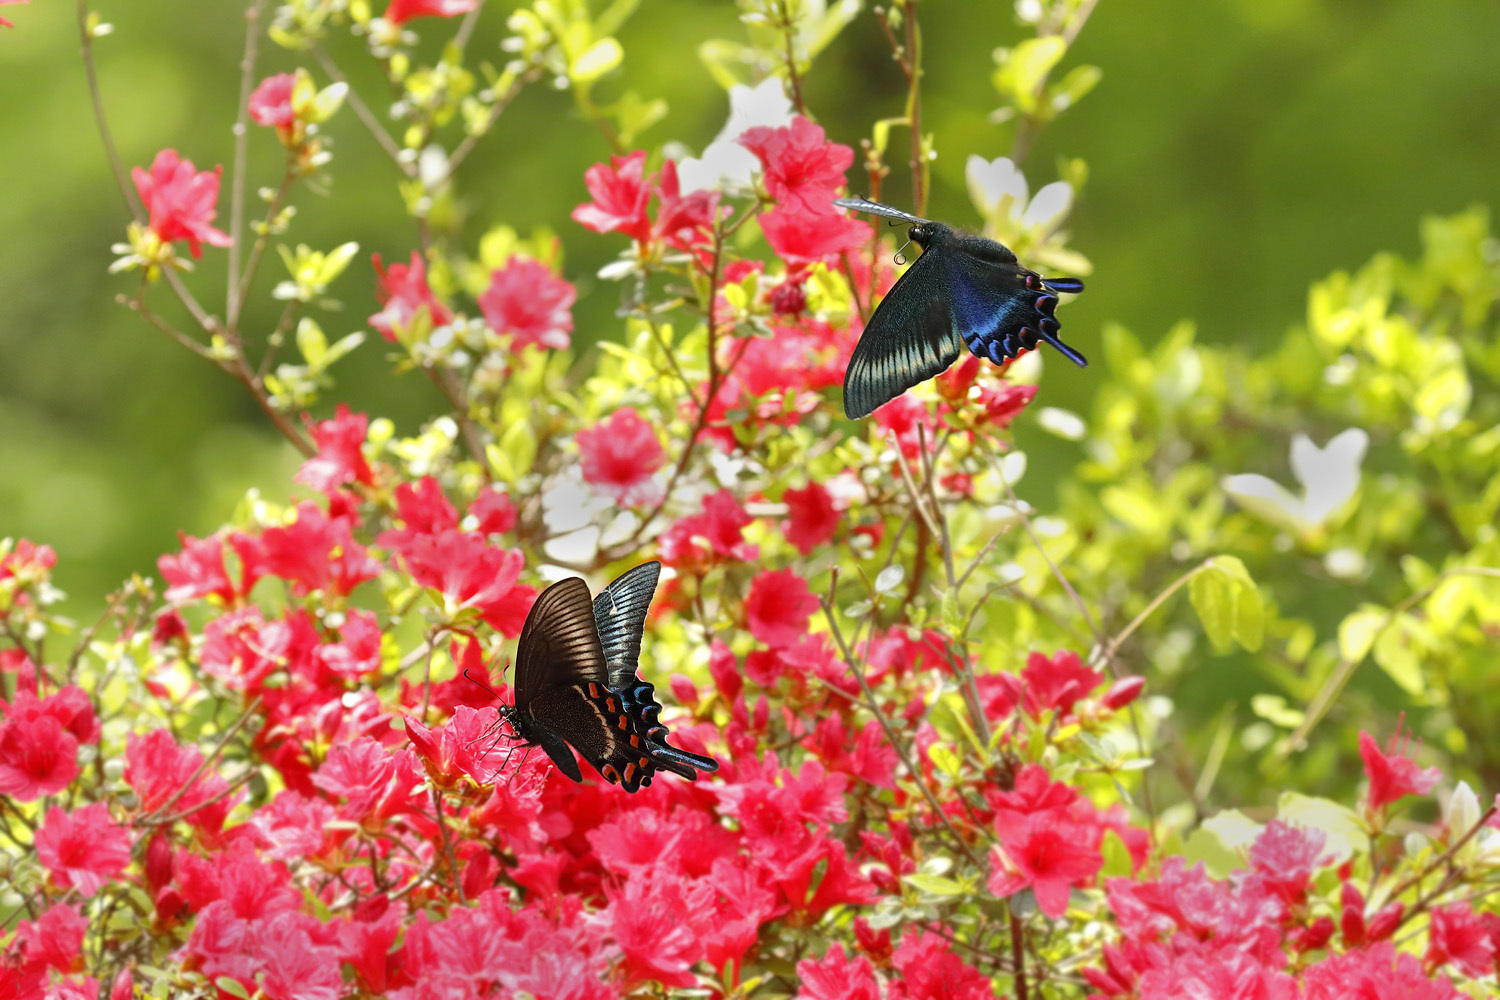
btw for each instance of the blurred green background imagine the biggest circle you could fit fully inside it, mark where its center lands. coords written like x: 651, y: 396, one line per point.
x: 1239, y: 149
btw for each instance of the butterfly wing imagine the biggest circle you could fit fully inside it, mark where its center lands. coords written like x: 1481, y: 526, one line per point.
x: 1001, y: 309
x: 911, y: 337
x: 620, y: 615
x: 559, y: 643
x: 594, y: 721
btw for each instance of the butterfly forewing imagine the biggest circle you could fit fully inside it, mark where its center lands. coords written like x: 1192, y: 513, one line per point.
x: 910, y: 339
x: 559, y: 643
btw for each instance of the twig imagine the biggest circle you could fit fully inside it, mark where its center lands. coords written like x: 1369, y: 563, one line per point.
x: 789, y: 29
x: 1346, y: 667
x: 206, y: 763
x: 364, y: 114
x: 1018, y: 952
x: 464, y: 148
x: 241, y: 146
x: 914, y: 115
x: 912, y: 768
x: 138, y: 305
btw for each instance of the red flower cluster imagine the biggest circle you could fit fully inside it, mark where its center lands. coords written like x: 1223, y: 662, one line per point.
x: 622, y: 192
x: 401, y: 11
x: 530, y: 304
x: 620, y: 457
x: 803, y: 172
x: 404, y: 294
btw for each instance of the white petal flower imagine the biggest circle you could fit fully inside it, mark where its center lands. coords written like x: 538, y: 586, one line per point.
x: 725, y: 162
x: 992, y: 181
x: 1329, y: 476
x: 1050, y: 205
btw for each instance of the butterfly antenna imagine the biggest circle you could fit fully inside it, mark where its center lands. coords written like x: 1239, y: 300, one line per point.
x: 480, y: 684
x: 900, y: 257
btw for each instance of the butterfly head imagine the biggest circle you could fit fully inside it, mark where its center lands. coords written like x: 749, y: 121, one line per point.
x: 924, y: 234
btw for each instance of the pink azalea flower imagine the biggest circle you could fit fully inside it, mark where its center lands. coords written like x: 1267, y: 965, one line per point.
x: 778, y: 607
x: 837, y: 976
x: 802, y: 171
x: 621, y: 192
x: 271, y: 102
x: 83, y: 849
x: 1286, y: 857
x: 1459, y: 936
x: 470, y: 572
x: 1046, y: 856
x: 180, y: 201
x: 1056, y: 683
x: 619, y: 457
x: 811, y: 517
x: 38, y: 756
x: 494, y: 511
x: 156, y: 768
x: 1392, y: 772
x: 526, y: 300
x: 931, y: 970
x: 721, y: 525
x: 315, y: 552
x: 54, y: 940
x: 198, y: 571
x: 404, y: 293
x: 340, y: 458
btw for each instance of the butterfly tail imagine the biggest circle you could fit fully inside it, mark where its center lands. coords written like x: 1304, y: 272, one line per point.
x: 681, y: 762
x: 1063, y: 349
x: 1070, y: 285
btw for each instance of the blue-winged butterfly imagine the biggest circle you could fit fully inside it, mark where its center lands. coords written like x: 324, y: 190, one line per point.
x: 576, y: 683
x: 964, y: 290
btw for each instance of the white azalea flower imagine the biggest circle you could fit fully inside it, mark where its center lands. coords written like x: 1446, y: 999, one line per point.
x: 1329, y: 478
x: 1461, y: 815
x: 999, y: 189
x: 725, y: 163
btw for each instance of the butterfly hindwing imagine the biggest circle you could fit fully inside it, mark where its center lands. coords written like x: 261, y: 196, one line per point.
x: 620, y: 615
x: 1000, y: 309
x: 911, y: 338
x: 595, y: 723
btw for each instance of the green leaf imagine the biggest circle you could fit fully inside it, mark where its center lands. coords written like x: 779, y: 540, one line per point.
x: 1219, y: 842
x: 613, y: 17
x: 312, y: 343
x: 1116, y: 856
x: 232, y: 986
x: 1072, y: 87
x: 601, y: 57
x: 934, y: 885
x: 1358, y: 630
x: 1213, y: 598
x: 1023, y: 68
x: 946, y: 760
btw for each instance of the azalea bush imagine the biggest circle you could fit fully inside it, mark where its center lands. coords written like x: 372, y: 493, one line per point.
x: 961, y: 751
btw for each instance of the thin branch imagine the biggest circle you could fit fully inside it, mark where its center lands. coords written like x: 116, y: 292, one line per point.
x: 1346, y: 667
x: 206, y: 763
x: 116, y: 166
x: 364, y: 114
x: 912, y: 768
x: 1056, y: 572
x: 471, y: 140
x: 241, y: 156
x: 914, y: 113
x: 232, y: 320
x: 789, y: 29
x: 138, y: 305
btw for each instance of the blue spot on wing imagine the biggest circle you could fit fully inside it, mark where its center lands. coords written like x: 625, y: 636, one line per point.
x: 989, y: 319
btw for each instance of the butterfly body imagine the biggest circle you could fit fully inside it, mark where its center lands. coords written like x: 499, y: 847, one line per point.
x: 964, y: 291
x: 576, y: 684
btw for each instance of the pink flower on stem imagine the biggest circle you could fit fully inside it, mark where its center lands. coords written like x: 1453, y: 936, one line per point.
x: 83, y: 849
x: 271, y: 102
x: 1044, y: 855
x: 1056, y: 683
x: 180, y: 201
x: 802, y: 240
x: 801, y: 169
x: 1392, y: 772
x: 38, y: 757
x: 340, y: 458
x: 1459, y: 936
x: 811, y: 517
x: 837, y: 976
x: 620, y: 456
x: 527, y: 301
x: 404, y: 293
x: 778, y: 607
x: 621, y: 193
